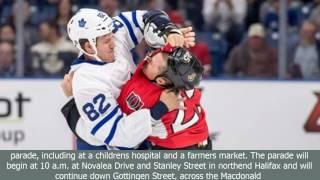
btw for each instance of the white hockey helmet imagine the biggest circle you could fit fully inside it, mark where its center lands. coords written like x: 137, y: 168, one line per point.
x: 89, y: 24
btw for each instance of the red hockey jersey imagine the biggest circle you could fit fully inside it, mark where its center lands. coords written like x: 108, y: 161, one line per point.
x: 184, y: 127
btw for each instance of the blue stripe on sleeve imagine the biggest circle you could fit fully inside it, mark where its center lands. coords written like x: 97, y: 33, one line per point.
x: 129, y: 27
x: 135, y: 21
x: 104, y: 120
x: 113, y: 130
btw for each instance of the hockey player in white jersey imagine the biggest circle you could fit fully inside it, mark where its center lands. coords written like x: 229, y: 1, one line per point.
x: 106, y: 65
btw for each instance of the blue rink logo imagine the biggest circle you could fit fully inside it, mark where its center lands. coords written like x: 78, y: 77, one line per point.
x: 12, y: 112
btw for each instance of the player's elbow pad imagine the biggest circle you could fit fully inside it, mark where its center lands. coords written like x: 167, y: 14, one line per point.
x: 157, y: 27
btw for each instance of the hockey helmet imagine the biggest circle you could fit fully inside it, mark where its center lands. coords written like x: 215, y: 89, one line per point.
x: 184, y: 69
x: 88, y: 24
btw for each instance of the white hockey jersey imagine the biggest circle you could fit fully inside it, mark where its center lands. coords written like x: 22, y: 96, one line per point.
x: 96, y: 85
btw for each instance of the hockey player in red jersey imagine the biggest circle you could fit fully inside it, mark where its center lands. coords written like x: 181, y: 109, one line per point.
x: 176, y: 69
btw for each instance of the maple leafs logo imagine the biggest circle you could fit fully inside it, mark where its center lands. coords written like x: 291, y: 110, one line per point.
x: 82, y: 23
x: 312, y: 124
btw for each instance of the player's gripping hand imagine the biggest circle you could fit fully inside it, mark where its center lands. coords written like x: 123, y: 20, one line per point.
x: 186, y: 38
x: 189, y: 37
x: 171, y: 99
x: 66, y: 85
x: 175, y: 39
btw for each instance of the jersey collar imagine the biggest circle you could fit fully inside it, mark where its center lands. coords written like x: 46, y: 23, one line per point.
x: 81, y: 60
